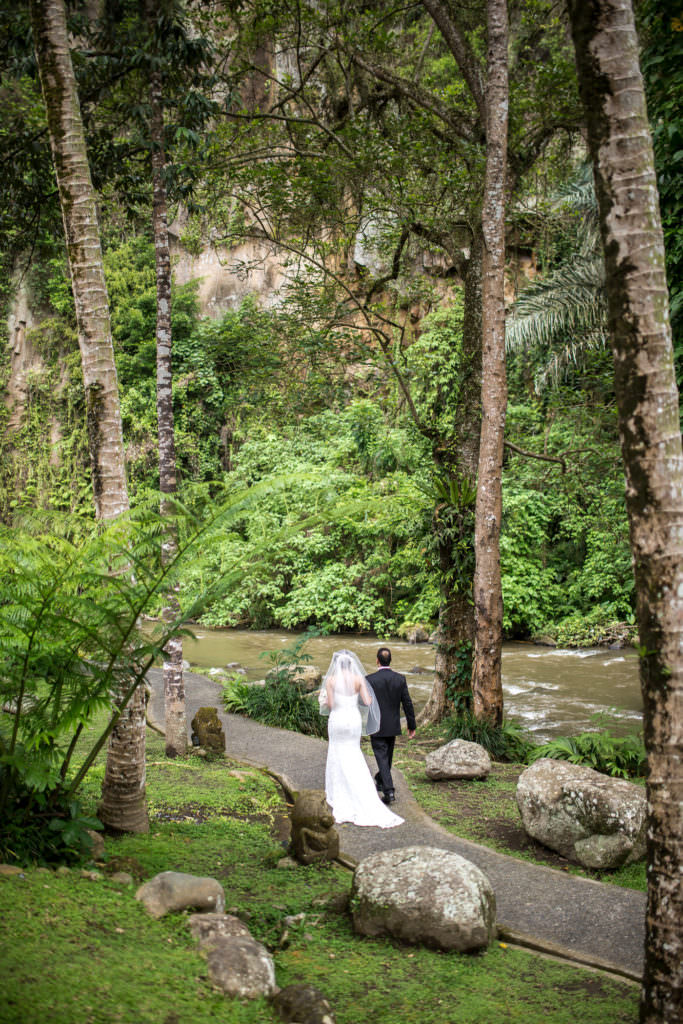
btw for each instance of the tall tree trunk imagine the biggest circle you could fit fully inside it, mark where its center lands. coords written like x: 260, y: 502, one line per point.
x: 81, y: 228
x: 456, y: 611
x: 488, y: 598
x: 621, y: 149
x: 174, y: 686
x: 124, y: 806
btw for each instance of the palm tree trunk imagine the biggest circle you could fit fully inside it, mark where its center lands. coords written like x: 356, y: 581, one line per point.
x: 621, y: 150
x: 174, y: 687
x: 124, y: 806
x: 488, y: 598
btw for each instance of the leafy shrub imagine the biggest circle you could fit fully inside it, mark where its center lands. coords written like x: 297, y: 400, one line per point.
x: 283, y: 705
x: 235, y: 695
x: 621, y: 756
x: 71, y: 644
x: 506, y: 742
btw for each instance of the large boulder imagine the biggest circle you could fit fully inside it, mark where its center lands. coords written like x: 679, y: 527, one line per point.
x: 416, y: 634
x: 174, y: 890
x: 458, y: 759
x: 207, y: 928
x: 240, y: 966
x: 424, y: 895
x: 587, y: 817
x: 307, y: 677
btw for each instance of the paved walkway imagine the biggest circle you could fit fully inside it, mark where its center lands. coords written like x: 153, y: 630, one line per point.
x: 590, y: 922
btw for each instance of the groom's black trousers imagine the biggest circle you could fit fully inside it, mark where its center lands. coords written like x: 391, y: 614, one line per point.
x: 383, y: 749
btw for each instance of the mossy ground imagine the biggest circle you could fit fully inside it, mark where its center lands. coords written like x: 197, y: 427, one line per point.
x: 77, y: 951
x: 485, y: 811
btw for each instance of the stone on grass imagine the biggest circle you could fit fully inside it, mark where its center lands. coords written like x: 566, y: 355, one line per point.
x: 458, y: 759
x: 587, y: 817
x: 173, y: 890
x: 239, y: 966
x: 122, y: 878
x: 10, y: 869
x: 425, y: 896
x: 304, y: 1004
x: 206, y: 928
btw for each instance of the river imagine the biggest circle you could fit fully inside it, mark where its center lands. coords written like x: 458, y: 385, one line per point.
x: 549, y: 691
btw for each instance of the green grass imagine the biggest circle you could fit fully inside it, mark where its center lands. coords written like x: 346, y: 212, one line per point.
x: 76, y: 951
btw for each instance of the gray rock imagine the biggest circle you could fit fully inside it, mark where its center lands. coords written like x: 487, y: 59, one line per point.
x: 307, y: 677
x: 173, y: 890
x: 239, y: 966
x: 424, y: 895
x: 417, y: 635
x: 122, y: 878
x: 458, y: 759
x: 587, y: 817
x: 304, y: 1004
x: 207, y: 928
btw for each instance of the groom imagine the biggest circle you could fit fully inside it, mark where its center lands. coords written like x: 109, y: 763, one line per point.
x: 391, y: 691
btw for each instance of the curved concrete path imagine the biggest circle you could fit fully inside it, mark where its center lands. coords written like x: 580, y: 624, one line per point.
x: 564, y: 915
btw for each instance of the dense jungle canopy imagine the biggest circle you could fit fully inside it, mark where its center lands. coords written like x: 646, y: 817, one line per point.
x: 319, y: 234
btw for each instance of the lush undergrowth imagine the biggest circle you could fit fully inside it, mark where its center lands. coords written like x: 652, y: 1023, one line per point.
x: 77, y: 950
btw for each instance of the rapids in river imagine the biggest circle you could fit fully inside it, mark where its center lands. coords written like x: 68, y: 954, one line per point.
x: 548, y: 691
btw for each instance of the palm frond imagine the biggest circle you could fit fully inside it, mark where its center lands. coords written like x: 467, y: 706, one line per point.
x: 570, y: 302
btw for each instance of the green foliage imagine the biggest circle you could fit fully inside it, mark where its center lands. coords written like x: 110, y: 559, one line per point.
x: 435, y: 362
x: 505, y: 742
x: 280, y: 703
x: 622, y: 756
x: 459, y: 685
x: 72, y: 645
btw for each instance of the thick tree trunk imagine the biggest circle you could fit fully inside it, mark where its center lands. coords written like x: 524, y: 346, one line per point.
x: 174, y: 686
x: 619, y: 139
x: 488, y: 598
x: 456, y: 612
x: 124, y: 806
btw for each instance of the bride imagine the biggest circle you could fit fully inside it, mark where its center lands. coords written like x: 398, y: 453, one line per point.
x: 352, y: 707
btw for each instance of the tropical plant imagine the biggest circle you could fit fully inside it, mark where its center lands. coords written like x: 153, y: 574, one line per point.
x: 72, y: 643
x: 564, y: 313
x: 613, y: 755
x: 505, y: 742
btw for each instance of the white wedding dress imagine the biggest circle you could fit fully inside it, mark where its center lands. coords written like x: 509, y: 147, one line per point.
x: 349, y: 786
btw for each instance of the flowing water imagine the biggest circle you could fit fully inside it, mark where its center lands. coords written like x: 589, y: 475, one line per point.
x: 549, y: 691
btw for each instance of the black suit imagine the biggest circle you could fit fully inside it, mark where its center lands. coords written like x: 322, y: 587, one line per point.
x: 391, y: 691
